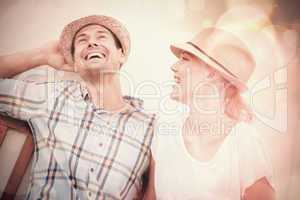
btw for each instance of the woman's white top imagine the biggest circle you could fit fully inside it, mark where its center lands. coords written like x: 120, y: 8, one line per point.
x: 239, y: 162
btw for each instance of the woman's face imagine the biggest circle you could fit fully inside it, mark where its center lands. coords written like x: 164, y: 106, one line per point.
x: 194, y: 79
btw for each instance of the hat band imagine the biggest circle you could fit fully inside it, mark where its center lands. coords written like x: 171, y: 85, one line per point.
x: 211, y: 58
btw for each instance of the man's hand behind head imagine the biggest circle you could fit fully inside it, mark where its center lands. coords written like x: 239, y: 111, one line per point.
x: 53, y: 56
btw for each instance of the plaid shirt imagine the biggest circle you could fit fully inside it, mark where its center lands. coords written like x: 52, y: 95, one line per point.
x: 81, y: 152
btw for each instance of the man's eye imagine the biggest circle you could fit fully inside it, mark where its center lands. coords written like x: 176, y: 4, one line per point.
x: 80, y: 41
x: 100, y: 37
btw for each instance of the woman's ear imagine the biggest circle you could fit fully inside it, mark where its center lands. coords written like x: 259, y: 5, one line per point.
x: 211, y: 75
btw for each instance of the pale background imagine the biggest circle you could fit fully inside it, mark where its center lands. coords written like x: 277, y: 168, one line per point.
x: 154, y: 24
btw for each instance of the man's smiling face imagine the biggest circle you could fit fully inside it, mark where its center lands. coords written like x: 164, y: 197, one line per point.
x: 96, y: 49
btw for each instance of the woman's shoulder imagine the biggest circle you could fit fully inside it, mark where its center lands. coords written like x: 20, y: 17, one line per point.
x: 249, y: 140
x: 246, y: 132
x: 250, y: 143
x: 168, y: 128
x: 254, y: 157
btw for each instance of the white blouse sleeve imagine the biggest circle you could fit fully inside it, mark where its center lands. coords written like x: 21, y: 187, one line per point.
x: 160, y: 138
x: 154, y: 143
x: 254, y: 160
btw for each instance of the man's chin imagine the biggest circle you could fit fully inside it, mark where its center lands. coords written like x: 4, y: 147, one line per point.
x: 99, y: 68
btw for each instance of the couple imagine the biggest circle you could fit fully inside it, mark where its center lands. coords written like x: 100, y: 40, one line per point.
x: 84, y: 148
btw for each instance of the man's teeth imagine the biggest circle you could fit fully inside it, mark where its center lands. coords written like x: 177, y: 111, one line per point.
x: 95, y: 55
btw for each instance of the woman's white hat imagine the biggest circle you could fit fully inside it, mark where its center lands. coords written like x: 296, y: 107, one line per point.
x: 224, y: 52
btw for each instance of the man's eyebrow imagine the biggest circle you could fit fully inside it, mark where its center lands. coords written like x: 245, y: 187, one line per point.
x: 102, y: 31
x: 84, y: 34
x: 80, y: 35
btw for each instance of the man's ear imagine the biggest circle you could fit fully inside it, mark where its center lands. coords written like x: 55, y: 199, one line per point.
x: 122, y: 56
x: 77, y: 64
x: 75, y: 68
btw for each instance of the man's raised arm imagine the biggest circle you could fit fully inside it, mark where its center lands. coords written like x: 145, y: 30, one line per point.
x: 48, y: 54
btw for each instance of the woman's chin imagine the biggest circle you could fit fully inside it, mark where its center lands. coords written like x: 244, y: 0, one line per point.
x: 175, y: 96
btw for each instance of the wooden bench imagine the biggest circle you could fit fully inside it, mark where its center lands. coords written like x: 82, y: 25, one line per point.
x: 23, y: 159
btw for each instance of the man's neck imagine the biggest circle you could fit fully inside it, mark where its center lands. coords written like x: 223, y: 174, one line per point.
x: 105, y: 92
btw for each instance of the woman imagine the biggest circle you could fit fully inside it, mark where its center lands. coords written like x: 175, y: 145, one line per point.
x: 212, y: 152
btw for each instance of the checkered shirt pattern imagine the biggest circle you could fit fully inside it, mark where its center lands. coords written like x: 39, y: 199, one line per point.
x: 81, y: 152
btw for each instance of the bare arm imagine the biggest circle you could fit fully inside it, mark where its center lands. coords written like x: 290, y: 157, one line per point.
x: 260, y: 190
x: 150, y: 190
x: 48, y: 54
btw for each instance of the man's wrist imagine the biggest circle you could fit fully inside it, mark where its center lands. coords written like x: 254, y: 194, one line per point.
x: 39, y: 57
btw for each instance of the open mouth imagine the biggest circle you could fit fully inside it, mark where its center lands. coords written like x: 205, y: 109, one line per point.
x: 94, y: 55
x: 177, y: 79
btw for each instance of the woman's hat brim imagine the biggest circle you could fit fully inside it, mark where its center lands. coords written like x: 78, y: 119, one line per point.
x: 177, y: 49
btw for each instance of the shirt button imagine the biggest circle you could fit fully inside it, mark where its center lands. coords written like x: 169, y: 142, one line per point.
x: 92, y: 169
x: 90, y: 194
x: 100, y: 144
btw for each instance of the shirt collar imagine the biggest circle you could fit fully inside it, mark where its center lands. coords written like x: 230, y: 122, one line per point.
x: 136, y: 104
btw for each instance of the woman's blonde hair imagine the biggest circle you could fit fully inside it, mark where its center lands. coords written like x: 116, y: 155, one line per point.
x: 235, y: 106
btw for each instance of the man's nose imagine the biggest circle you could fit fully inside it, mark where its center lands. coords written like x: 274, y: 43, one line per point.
x: 93, y: 43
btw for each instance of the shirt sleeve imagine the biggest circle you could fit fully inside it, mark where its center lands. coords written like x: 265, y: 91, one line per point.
x: 22, y: 100
x: 254, y: 160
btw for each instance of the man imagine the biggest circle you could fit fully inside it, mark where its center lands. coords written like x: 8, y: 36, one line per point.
x: 90, y: 141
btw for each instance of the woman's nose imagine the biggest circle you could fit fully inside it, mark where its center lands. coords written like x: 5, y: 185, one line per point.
x: 174, y: 67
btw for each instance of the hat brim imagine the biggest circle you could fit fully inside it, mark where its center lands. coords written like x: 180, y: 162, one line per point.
x: 177, y: 49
